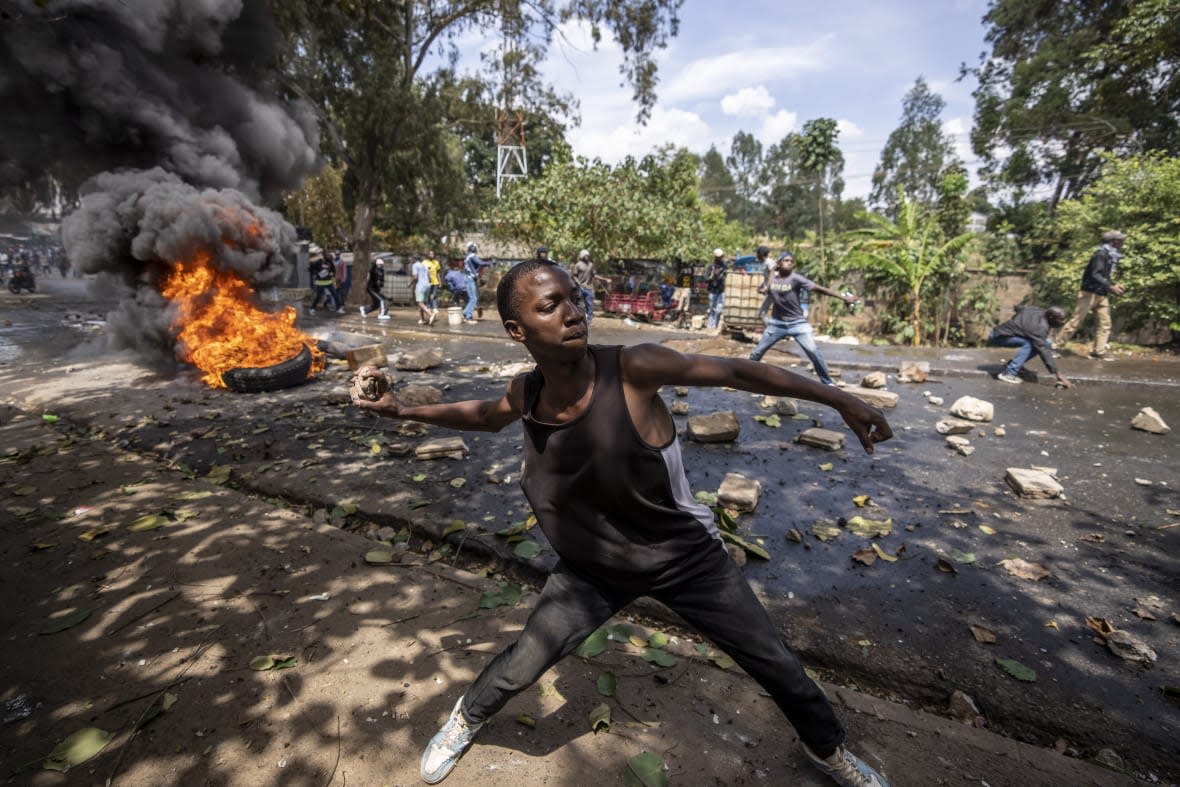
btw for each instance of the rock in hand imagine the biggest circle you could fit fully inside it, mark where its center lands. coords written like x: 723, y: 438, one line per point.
x: 369, y: 383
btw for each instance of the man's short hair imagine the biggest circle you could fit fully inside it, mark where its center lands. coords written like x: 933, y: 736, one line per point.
x: 542, y: 250
x: 507, y: 299
x: 762, y: 251
x: 1113, y: 235
x: 1055, y: 315
x: 786, y: 255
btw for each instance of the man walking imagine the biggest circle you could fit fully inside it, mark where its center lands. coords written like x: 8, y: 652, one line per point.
x: 786, y: 315
x: 1097, y: 287
x: 472, y: 267
x: 715, y: 288
x: 584, y: 276
x: 434, y: 267
x: 421, y: 274
x: 1028, y: 330
x: 323, y: 279
x: 603, y: 473
x: 375, y: 287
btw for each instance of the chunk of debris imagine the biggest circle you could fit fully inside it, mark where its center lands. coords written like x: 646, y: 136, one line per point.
x: 1033, y: 483
x: 719, y: 427
x: 418, y: 395
x: 1148, y: 420
x: 738, y: 492
x: 419, y: 360
x: 1129, y: 647
x: 367, y: 355
x: 973, y: 409
x: 821, y: 438
x: 679, y: 408
x: 953, y: 426
x: 442, y: 448
x: 913, y: 371
x: 782, y: 405
x: 882, y: 399
x: 874, y: 380
x: 960, y: 444
x: 962, y: 707
x: 680, y: 390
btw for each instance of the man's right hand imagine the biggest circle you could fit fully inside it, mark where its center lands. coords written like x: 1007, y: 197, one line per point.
x: 1117, y: 289
x: 387, y: 405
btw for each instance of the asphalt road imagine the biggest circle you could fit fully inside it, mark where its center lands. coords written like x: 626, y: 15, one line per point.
x: 898, y: 628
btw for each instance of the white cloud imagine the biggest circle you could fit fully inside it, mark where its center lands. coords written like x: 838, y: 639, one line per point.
x: 848, y: 130
x: 777, y: 126
x: 709, y: 76
x: 612, y: 141
x: 755, y: 101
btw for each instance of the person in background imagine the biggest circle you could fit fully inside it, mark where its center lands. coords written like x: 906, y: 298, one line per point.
x: 421, y: 275
x: 1028, y: 330
x: 786, y: 316
x: 1097, y: 287
x: 604, y: 475
x: 343, y: 277
x: 456, y: 284
x: 762, y: 255
x: 715, y: 288
x: 323, y: 280
x: 473, y: 267
x: 435, y: 268
x: 584, y: 276
x: 375, y: 287
x: 543, y: 255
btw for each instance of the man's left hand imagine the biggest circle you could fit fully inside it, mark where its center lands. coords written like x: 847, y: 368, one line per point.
x: 867, y: 423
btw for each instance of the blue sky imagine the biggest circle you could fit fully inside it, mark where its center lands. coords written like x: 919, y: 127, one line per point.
x: 768, y: 67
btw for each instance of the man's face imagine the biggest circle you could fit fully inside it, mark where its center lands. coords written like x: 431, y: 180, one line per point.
x: 786, y: 265
x: 551, y: 318
x: 1117, y: 243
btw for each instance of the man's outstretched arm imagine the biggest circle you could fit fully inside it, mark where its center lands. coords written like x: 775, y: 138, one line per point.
x: 647, y: 367
x: 472, y: 415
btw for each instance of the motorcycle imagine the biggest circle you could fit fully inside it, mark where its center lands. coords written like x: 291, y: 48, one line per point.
x: 22, y: 279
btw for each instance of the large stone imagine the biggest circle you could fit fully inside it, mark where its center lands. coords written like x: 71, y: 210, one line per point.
x: 368, y: 355
x: 913, y: 371
x: 719, y: 427
x: 959, y: 443
x: 1149, y: 420
x: 442, y: 448
x: 781, y: 405
x: 738, y: 492
x: 418, y: 395
x: 1129, y: 647
x: 821, y: 438
x: 973, y: 409
x: 874, y: 380
x: 963, y: 708
x: 882, y: 399
x: 419, y: 360
x: 1033, y: 483
x: 953, y: 426
x: 679, y: 408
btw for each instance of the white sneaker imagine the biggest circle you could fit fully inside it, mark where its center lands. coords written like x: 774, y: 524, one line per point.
x: 846, y: 769
x: 340, y: 310
x: 1004, y: 377
x: 433, y: 314
x: 382, y: 316
x: 311, y: 311
x: 447, y: 746
x: 362, y: 310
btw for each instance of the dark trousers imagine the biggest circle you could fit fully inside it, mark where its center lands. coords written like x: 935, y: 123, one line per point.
x: 717, y: 602
x: 376, y: 300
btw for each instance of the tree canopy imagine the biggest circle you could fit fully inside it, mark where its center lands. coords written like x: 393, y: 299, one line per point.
x: 915, y: 154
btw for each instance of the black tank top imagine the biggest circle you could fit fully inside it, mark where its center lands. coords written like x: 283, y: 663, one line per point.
x: 615, y: 508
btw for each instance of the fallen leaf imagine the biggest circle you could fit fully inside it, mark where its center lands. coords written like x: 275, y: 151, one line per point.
x: 1101, y: 625
x: 983, y: 635
x: 865, y: 556
x: 419, y: 504
x: 772, y: 420
x: 1144, y: 614
x: 219, y: 474
x: 458, y: 483
x: 164, y: 704
x: 379, y: 557
x: 419, y: 477
x: 526, y: 720
x: 862, y: 500
x: 147, y: 522
x: 22, y: 491
x: 722, y: 661
x: 620, y: 632
x: 272, y: 661
x: 527, y: 549
x: 1052, y: 624
x: 456, y: 526
x: 63, y: 621
x: 658, y: 657
x: 606, y: 684
x: 752, y: 549
x: 870, y: 528
x: 1023, y: 569
x: 987, y: 530
x: 881, y: 553
x: 645, y: 770
x: 946, y: 567
x: 959, y: 556
x: 506, y: 596
x: 600, y: 718
x: 826, y: 466
x: 658, y: 639
x: 49, y: 418
x: 592, y: 645
x: 794, y: 535
x: 77, y: 749
x: 1018, y: 670
x: 824, y: 529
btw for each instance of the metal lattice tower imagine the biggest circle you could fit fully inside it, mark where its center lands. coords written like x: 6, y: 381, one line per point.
x: 511, y: 156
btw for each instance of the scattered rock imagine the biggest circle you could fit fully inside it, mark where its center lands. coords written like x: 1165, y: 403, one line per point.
x: 960, y: 444
x: 417, y: 395
x: 419, y: 360
x: 1149, y: 420
x: 1129, y: 647
x: 368, y: 355
x: 780, y: 405
x: 821, y: 438
x: 913, y: 372
x: 962, y: 707
x: 738, y: 492
x: 874, y: 380
x: 882, y: 399
x: 386, y: 533
x: 973, y: 409
x: 737, y: 553
x: 1033, y: 483
x: 1110, y: 759
x: 369, y: 383
x: 680, y: 390
x: 999, y: 431
x: 719, y: 427
x: 935, y: 400
x: 679, y: 408
x: 442, y: 448
x: 953, y: 426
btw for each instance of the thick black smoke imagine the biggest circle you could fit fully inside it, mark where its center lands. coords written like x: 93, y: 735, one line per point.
x: 170, y: 100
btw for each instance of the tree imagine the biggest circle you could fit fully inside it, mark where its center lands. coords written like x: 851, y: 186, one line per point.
x: 374, y: 71
x: 1140, y: 196
x: 817, y: 151
x: 906, y: 254
x: 717, y: 184
x: 745, y: 162
x: 915, y: 154
x: 1064, y: 82
x: 319, y: 206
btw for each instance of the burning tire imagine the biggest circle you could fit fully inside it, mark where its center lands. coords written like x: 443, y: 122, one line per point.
x: 287, y: 374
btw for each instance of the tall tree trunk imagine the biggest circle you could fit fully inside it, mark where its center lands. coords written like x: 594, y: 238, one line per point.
x: 362, y: 238
x: 916, y: 339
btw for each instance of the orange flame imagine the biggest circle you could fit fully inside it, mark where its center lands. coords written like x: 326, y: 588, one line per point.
x: 222, y: 328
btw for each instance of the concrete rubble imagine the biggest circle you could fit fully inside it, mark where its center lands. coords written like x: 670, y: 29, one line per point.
x: 1148, y: 420
x: 1033, y: 483
x: 738, y: 492
x: 419, y: 360
x: 821, y: 438
x: 719, y: 427
x: 442, y: 448
x: 877, y: 398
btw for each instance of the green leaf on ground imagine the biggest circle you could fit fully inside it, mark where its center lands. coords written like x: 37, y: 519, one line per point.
x: 825, y: 530
x: 95, y: 532
x: 771, y: 420
x: 708, y: 498
x: 607, y: 683
x: 1018, y: 670
x: 148, y: 522
x: 504, y: 596
x: 620, y: 632
x: 658, y: 639
x: 526, y: 720
x: 658, y: 657
x: 600, y: 718
x: 458, y: 483
x: 826, y: 467
x: 511, y: 530
x: 721, y: 660
x: 593, y: 645
x: 49, y: 418
x: 527, y: 549
x: 272, y: 661
x: 63, y: 621
x: 456, y: 526
x: 195, y: 494
x: 419, y: 504
x: 959, y: 556
x: 419, y: 477
x: 645, y: 770
x: 870, y: 528
x: 77, y: 749
x: 378, y: 557
x: 219, y: 474
x: 23, y: 490
x: 881, y: 553
x: 752, y: 549
x: 726, y: 520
